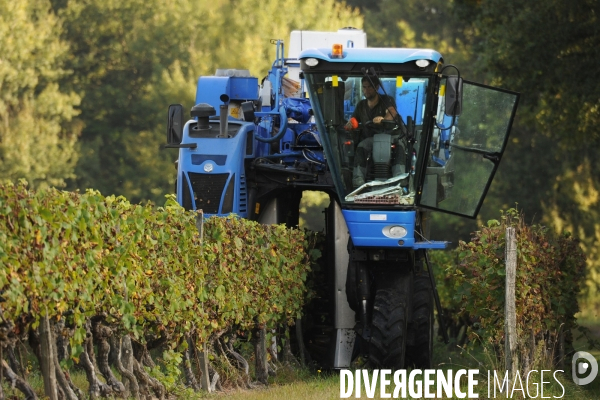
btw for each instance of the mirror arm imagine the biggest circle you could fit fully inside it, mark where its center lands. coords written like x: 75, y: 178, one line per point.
x: 443, y: 128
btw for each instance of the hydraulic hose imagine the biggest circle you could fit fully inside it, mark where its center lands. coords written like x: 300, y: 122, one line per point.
x: 282, y: 128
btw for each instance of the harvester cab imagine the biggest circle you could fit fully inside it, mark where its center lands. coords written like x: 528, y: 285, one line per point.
x: 253, y: 149
x: 447, y: 138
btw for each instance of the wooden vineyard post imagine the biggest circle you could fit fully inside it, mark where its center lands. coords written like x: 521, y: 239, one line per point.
x: 47, y: 358
x: 510, y: 322
x: 260, y: 354
x: 273, y: 347
x: 203, y: 359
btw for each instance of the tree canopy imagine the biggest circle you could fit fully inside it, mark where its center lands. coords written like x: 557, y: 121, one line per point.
x: 37, y: 132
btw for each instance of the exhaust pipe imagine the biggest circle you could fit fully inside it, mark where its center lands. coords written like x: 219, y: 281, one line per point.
x: 224, y: 114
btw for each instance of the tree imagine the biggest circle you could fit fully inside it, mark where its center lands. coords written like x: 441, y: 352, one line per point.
x: 548, y: 50
x: 37, y: 133
x: 414, y: 23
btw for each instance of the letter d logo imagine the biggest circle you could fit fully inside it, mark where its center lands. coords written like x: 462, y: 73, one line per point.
x: 582, y: 368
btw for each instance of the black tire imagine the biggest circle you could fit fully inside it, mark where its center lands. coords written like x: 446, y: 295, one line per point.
x: 419, y: 348
x: 388, y: 329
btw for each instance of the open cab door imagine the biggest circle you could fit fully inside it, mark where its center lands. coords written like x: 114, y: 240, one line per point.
x: 466, y: 147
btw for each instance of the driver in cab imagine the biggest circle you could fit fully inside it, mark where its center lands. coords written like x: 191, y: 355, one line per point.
x: 375, y: 108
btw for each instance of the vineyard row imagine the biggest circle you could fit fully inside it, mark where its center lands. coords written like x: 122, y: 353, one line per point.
x: 92, y: 270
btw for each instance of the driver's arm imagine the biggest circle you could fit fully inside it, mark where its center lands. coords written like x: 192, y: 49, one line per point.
x: 390, y: 113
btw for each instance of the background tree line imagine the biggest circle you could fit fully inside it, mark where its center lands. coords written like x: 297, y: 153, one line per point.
x: 84, y: 86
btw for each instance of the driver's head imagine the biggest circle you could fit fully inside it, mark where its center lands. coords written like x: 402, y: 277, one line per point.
x: 370, y: 91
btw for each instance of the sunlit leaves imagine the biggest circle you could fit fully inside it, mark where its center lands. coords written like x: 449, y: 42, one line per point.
x: 145, y: 268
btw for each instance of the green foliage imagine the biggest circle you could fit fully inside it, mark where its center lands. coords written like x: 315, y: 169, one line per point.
x: 312, y: 207
x: 171, y: 371
x: 419, y: 23
x: 443, y: 263
x: 37, y: 131
x: 563, y: 35
x: 550, y: 275
x: 146, y: 268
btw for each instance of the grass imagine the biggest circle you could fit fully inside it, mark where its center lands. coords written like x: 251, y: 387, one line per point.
x: 327, y: 386
x: 313, y: 388
x: 304, y: 385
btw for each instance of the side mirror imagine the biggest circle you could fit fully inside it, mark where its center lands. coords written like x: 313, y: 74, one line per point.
x: 453, y: 98
x: 175, y: 124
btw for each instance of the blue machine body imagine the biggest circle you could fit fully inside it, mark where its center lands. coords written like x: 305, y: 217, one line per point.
x: 217, y: 164
x: 282, y: 135
x: 367, y: 227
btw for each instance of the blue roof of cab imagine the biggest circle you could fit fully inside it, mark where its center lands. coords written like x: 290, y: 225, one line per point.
x: 373, y: 54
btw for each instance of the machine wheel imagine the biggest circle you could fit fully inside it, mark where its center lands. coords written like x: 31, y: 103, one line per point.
x: 419, y: 350
x: 388, y: 329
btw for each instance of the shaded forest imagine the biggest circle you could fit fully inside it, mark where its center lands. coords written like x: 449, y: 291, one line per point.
x: 84, y: 88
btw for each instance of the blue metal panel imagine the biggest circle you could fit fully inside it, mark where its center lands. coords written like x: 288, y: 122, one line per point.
x: 375, y: 55
x: 285, y: 145
x: 389, y: 88
x: 243, y: 88
x: 366, y: 227
x: 262, y: 130
x: 409, y: 100
x: 210, y: 89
